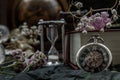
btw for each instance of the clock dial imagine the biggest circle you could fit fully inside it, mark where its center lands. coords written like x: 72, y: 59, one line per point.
x: 94, y: 57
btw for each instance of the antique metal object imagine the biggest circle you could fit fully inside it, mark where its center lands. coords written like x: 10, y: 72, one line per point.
x: 94, y: 56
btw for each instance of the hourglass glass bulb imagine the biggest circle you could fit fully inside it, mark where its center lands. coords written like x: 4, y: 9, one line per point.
x: 53, y: 54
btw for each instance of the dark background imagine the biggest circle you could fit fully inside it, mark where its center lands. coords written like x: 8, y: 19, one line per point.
x: 7, y: 9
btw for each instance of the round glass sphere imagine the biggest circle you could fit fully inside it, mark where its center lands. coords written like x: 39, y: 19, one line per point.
x: 4, y: 33
x: 31, y: 11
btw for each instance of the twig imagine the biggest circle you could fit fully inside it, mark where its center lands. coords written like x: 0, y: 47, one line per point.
x: 70, y: 5
x: 102, y: 9
x: 95, y: 10
x: 27, y: 68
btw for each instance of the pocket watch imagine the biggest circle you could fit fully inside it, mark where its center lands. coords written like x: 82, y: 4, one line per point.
x: 94, y: 56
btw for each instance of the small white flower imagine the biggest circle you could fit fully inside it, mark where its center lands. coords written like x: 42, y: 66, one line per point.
x: 80, y: 24
x: 89, y: 27
x: 84, y: 19
x: 102, y: 29
x: 115, y: 17
x: 37, y: 52
x: 92, y: 28
x: 78, y: 12
x: 97, y: 15
x: 109, y: 24
x: 114, y: 12
x: 77, y: 28
x: 84, y: 31
x: 79, y: 5
x: 27, y: 61
x: 91, y: 19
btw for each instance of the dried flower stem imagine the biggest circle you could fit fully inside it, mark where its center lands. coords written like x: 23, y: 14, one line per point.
x: 90, y: 12
x: 27, y: 68
x: 95, y: 10
x: 70, y: 5
x: 10, y: 65
x: 6, y: 73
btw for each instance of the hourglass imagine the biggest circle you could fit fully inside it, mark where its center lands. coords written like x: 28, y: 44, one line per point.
x: 52, y: 36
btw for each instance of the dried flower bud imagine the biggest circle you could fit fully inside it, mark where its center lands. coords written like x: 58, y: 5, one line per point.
x: 33, y: 27
x: 84, y: 31
x: 84, y: 19
x: 97, y: 15
x: 78, y: 12
x: 102, y: 29
x: 78, y: 5
x: 80, y: 24
x: 109, y: 24
x: 90, y: 27
x: 104, y: 14
x: 24, y: 25
x: 114, y: 12
x: 115, y: 17
x: 37, y: 52
x: 77, y: 28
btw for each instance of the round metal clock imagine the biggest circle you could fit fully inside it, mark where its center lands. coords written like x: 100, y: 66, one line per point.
x: 94, y: 57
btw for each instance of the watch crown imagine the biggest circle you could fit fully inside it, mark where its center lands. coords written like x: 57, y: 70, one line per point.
x: 96, y: 39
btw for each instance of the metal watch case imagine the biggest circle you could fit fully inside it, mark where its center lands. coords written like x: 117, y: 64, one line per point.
x: 94, y: 56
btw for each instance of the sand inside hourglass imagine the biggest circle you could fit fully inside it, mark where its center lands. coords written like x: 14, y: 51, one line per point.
x: 53, y: 60
x: 53, y: 57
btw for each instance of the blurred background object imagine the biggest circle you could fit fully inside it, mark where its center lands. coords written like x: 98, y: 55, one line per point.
x: 15, y: 12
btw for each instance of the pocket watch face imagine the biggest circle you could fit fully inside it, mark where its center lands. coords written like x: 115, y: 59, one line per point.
x: 94, y: 57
